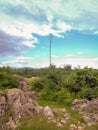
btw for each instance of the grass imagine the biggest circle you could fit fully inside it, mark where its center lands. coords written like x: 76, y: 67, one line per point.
x: 32, y: 79
x: 38, y: 123
x: 91, y: 110
x: 93, y: 127
x: 50, y: 103
x: 9, y: 113
x: 75, y: 116
x: 3, y: 90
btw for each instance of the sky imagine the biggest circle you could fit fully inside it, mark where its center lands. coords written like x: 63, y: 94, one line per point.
x: 26, y: 26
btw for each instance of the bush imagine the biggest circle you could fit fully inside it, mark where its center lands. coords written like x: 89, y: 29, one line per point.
x: 7, y: 80
x: 37, y: 84
x: 88, y: 93
x: 64, y: 96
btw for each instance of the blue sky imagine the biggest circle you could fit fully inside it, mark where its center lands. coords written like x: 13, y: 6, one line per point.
x: 25, y: 27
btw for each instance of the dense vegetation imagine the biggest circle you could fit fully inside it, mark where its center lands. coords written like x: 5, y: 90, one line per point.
x: 60, y: 85
x: 64, y: 84
x: 57, y: 87
x: 7, y: 78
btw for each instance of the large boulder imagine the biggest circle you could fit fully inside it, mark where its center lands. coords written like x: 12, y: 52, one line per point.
x: 22, y: 103
x: 47, y: 111
x: 89, y: 109
x: 3, y: 104
x: 3, y: 109
x: 80, y: 104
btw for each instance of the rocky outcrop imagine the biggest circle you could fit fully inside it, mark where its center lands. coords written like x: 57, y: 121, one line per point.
x: 3, y: 104
x: 56, y: 116
x: 89, y: 109
x: 80, y: 104
x: 3, y: 109
x: 23, y: 83
x: 22, y: 103
x: 47, y: 111
x: 74, y: 127
x: 11, y: 124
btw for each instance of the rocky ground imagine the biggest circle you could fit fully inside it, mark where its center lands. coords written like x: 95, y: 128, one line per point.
x: 89, y: 110
x: 21, y: 102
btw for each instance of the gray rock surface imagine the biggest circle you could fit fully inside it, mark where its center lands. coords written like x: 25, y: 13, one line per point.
x: 3, y: 104
x: 22, y: 103
x: 89, y: 109
x: 47, y: 111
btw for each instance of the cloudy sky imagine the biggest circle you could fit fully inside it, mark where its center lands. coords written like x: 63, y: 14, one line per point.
x: 26, y: 25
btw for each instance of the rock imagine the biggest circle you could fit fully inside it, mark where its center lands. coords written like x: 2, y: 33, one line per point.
x: 77, y: 101
x: 32, y: 95
x: 89, y: 109
x: 48, y: 112
x: 80, y: 128
x: 3, y: 104
x: 59, y: 125
x: 96, y: 117
x: 73, y: 127
x: 66, y: 116
x: 63, y: 121
x: 63, y: 110
x: 23, y: 83
x: 78, y: 104
x: 90, y: 119
x: 22, y: 103
x: 11, y: 124
x: 84, y: 105
x: 52, y: 120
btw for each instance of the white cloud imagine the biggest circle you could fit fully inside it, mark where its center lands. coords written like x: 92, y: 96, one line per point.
x: 22, y: 19
x: 54, y: 56
x: 24, y: 61
x: 96, y: 32
x: 20, y: 30
x: 20, y: 61
x: 63, y: 26
x: 79, y: 53
x: 42, y: 17
x: 44, y: 62
x: 91, y: 62
x: 74, y: 54
x: 37, y: 56
x: 70, y: 55
x: 24, y: 58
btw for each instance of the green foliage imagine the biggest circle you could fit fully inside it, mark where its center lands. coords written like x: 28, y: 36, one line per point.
x: 55, y: 84
x: 93, y: 127
x: 63, y: 84
x: 52, y: 104
x: 57, y: 87
x: 38, y: 123
x: 7, y: 80
x: 64, y: 96
x: 88, y: 93
x: 9, y: 113
x: 37, y: 84
x: 83, y: 82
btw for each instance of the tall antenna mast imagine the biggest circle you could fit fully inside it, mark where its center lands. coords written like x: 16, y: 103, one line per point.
x: 50, y: 41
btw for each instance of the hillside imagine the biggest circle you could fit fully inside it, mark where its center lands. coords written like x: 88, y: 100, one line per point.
x: 54, y: 99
